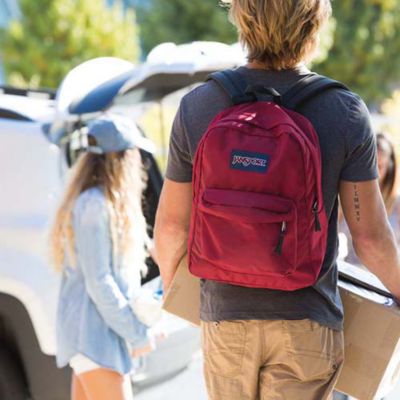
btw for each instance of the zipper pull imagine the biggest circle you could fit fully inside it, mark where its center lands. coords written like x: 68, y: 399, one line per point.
x: 278, y: 248
x: 317, y: 223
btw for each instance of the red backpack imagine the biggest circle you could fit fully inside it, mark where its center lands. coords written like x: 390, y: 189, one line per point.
x: 258, y: 217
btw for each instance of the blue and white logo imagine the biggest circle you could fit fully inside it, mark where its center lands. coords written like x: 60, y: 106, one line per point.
x: 249, y: 161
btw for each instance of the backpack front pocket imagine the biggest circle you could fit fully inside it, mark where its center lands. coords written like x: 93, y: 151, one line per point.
x: 246, y: 232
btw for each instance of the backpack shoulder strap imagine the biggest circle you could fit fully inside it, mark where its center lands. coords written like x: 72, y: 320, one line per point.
x: 233, y: 84
x: 304, y: 90
x: 308, y: 88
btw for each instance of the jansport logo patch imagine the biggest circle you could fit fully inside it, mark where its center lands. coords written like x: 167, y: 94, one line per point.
x: 249, y: 161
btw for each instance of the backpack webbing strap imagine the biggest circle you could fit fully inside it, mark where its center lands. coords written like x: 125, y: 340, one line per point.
x: 308, y: 88
x: 234, y: 85
x: 304, y: 90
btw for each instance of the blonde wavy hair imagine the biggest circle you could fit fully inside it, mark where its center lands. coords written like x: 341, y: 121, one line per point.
x: 121, y: 175
x: 279, y: 34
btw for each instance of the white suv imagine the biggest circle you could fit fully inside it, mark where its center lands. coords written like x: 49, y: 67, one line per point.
x: 32, y: 171
x: 36, y: 149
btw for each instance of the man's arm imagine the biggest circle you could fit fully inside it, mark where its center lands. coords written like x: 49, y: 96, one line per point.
x: 372, y: 235
x: 172, y: 227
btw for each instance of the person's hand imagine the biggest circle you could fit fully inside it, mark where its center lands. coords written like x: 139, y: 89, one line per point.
x: 155, y: 339
x: 141, y: 351
x: 159, y: 337
x: 166, y: 286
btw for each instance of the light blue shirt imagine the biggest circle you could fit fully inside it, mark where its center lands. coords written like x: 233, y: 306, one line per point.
x: 94, y: 316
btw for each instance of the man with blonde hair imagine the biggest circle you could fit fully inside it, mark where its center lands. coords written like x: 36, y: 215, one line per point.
x: 259, y: 341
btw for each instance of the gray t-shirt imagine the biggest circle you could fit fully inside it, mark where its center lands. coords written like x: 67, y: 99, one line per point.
x: 348, y: 150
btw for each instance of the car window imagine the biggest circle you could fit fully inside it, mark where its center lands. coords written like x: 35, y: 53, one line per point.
x: 8, y: 114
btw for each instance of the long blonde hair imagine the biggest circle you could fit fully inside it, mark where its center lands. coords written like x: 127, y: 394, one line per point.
x: 121, y: 177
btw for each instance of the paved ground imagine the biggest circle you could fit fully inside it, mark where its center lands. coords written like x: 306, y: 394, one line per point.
x: 187, y: 385
x: 190, y: 385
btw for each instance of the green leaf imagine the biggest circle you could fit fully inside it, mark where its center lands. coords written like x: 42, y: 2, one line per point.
x: 53, y: 36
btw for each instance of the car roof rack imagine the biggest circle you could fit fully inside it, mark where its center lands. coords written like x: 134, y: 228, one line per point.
x: 49, y: 94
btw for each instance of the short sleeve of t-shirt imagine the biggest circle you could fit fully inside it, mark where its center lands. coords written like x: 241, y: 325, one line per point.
x: 179, y: 166
x: 361, y: 160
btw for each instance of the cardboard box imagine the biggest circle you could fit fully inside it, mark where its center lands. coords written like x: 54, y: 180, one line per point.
x: 372, y: 343
x: 183, y: 296
x: 371, y: 327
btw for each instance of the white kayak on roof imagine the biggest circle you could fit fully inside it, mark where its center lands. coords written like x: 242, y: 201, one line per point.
x: 93, y: 86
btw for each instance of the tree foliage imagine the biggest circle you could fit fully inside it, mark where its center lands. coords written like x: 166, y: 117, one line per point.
x: 366, y: 47
x: 391, y: 120
x: 182, y: 21
x: 364, y: 54
x: 53, y: 36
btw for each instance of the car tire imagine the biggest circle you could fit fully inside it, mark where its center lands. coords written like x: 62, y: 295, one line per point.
x: 12, y: 381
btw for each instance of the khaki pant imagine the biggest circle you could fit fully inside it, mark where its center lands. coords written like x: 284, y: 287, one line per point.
x: 271, y: 360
